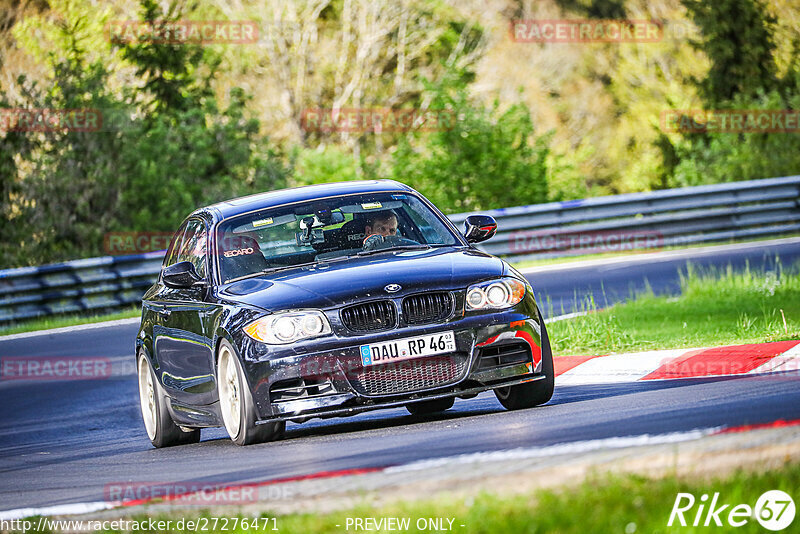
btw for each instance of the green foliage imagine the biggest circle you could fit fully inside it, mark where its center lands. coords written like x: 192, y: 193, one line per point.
x: 738, y: 39
x: 596, y: 9
x: 324, y: 164
x: 161, y: 151
x: 484, y: 158
x: 184, y: 136
x: 170, y: 70
x: 726, y: 157
x: 65, y: 189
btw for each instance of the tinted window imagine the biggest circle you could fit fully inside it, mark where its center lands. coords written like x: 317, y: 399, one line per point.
x: 323, y: 230
x: 193, y: 246
x: 172, y: 251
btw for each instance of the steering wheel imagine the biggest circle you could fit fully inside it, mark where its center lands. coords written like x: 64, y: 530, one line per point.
x: 378, y: 242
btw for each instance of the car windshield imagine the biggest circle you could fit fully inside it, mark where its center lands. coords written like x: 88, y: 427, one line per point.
x: 329, y: 229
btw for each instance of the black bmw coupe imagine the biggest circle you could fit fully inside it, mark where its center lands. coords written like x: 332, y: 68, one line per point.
x: 325, y: 301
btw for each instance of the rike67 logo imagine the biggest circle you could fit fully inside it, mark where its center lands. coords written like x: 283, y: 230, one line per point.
x: 774, y: 510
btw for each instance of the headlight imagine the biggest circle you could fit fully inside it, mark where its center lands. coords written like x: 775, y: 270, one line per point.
x: 495, y: 294
x: 283, y: 328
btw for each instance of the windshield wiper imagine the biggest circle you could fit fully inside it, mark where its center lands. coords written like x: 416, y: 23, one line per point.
x: 390, y: 249
x: 285, y: 267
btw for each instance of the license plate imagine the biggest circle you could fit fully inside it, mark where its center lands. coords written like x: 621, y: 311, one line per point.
x: 408, y: 348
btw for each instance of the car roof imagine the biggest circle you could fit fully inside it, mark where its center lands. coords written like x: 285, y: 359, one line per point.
x: 237, y: 206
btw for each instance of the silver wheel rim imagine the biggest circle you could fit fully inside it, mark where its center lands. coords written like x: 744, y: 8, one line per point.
x: 230, y: 397
x: 147, y: 397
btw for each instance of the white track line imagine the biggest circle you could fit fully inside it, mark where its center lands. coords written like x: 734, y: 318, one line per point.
x: 76, y: 328
x: 61, y: 509
x: 645, y: 257
x: 566, y: 316
x: 571, y: 448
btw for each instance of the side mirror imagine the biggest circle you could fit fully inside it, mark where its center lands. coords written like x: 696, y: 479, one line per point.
x: 181, y: 275
x: 479, y: 228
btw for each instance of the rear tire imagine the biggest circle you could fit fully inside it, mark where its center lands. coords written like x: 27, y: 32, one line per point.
x: 431, y: 406
x: 158, y: 423
x: 533, y: 393
x: 236, y: 402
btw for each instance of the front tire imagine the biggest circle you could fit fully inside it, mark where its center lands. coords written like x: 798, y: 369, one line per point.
x: 431, y: 406
x: 533, y: 393
x: 236, y: 402
x: 161, y: 429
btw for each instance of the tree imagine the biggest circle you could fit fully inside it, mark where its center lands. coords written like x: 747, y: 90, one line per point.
x: 486, y: 158
x: 174, y: 149
x: 738, y: 39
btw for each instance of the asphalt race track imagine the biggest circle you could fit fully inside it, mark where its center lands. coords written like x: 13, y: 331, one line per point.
x: 63, y: 441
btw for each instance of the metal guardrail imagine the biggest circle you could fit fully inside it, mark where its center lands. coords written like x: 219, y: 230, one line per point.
x: 671, y: 217
x: 107, y: 283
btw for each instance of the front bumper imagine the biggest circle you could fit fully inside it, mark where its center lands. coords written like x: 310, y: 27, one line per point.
x: 324, y: 377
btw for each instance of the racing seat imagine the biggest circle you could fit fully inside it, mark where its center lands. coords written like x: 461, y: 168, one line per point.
x: 241, y: 255
x: 351, y: 234
x: 342, y: 241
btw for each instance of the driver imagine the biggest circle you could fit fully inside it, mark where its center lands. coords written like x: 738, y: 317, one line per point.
x: 383, y: 223
x: 381, y: 232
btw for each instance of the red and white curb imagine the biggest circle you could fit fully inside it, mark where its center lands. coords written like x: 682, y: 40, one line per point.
x: 735, y: 360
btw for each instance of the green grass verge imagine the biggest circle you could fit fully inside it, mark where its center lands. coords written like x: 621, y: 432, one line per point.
x: 59, y: 321
x: 716, y: 307
x: 602, y: 503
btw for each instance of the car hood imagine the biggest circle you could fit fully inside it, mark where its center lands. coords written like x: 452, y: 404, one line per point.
x: 343, y: 282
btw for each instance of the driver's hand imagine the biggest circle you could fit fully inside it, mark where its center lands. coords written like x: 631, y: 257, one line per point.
x: 374, y: 241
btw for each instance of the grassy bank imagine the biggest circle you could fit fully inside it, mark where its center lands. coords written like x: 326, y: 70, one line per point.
x: 716, y: 307
x: 60, y: 321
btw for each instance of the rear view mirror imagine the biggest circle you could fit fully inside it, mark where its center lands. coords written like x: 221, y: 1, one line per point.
x: 321, y: 219
x: 479, y: 228
x: 325, y: 217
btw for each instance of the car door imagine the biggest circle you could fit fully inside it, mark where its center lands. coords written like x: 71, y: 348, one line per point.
x: 182, y: 335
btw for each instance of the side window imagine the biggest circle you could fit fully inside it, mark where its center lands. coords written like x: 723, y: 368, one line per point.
x: 193, y: 246
x: 172, y: 252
